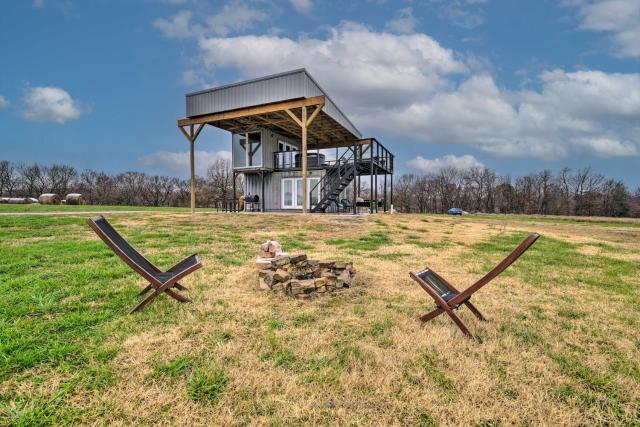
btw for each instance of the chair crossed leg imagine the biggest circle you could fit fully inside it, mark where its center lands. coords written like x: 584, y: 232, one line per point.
x: 450, y: 311
x: 158, y: 289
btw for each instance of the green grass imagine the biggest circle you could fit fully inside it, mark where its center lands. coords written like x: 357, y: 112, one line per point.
x: 586, y: 221
x: 66, y: 335
x: 547, y: 254
x: 63, y: 295
x: 207, y: 385
x: 369, y: 242
x: 6, y: 208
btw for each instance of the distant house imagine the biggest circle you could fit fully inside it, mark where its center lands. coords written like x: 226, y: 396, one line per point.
x: 285, y: 127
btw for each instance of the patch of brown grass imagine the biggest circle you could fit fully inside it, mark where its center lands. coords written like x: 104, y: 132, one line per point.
x: 362, y: 358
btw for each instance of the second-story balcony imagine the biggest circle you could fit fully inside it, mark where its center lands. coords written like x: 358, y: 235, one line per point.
x: 293, y: 160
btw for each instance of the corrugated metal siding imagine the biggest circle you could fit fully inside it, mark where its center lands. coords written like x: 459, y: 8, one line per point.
x: 272, y: 186
x: 295, y: 84
x: 269, y: 146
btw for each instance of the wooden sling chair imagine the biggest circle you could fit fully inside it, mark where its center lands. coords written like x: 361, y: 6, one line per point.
x: 448, y: 298
x: 158, y: 280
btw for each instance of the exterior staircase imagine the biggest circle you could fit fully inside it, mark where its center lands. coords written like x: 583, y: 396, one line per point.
x: 357, y: 162
x: 333, y: 184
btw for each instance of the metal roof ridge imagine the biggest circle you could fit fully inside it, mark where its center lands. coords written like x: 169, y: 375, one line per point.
x: 257, y: 79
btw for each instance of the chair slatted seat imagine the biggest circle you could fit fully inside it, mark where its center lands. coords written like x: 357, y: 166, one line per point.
x: 448, y: 298
x: 159, y: 281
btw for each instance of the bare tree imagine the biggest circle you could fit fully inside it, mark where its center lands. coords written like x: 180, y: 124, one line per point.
x: 220, y: 177
x: 8, y: 178
x: 31, y: 176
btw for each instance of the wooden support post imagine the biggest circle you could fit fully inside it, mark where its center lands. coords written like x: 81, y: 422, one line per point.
x: 192, y: 135
x: 305, y: 195
x: 192, y: 163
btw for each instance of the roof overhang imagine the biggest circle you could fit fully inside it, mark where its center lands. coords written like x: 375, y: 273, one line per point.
x: 283, y: 117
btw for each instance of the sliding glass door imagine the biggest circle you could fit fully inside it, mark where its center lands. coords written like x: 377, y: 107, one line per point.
x: 292, y: 192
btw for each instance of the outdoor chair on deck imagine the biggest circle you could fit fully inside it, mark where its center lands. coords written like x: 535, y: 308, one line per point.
x: 448, y: 298
x: 159, y: 281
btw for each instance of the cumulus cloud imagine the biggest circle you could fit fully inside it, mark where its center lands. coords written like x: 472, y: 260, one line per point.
x: 3, y: 102
x: 302, y: 6
x: 462, y: 13
x: 464, y: 162
x: 176, y: 27
x: 178, y: 162
x: 619, y: 18
x: 404, y: 22
x: 357, y: 65
x: 585, y: 111
x: 410, y: 86
x: 235, y: 16
x: 50, y: 104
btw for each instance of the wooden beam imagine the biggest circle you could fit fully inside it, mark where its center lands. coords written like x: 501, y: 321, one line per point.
x: 314, y: 115
x: 252, y: 111
x: 185, y: 133
x: 294, y: 117
x: 195, y: 136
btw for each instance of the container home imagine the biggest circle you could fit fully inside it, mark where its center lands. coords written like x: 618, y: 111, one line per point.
x: 295, y: 148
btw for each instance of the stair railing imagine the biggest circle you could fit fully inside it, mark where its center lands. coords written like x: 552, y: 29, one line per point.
x: 332, y: 178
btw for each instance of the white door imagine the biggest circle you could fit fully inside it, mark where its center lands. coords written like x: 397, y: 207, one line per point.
x: 292, y: 192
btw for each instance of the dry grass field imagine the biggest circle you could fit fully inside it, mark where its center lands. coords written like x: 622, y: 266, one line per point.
x: 561, y: 345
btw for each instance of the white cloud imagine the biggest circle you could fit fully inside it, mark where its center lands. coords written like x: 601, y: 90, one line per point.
x: 586, y: 111
x: 404, y: 22
x: 38, y: 4
x: 235, y: 16
x: 3, y: 102
x: 178, y: 162
x: 50, y: 104
x: 410, y: 86
x: 620, y: 18
x: 302, y: 6
x: 359, y: 66
x: 464, y: 162
x: 463, y: 13
x: 177, y: 27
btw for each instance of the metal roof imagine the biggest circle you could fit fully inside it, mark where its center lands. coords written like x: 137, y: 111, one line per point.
x: 293, y: 84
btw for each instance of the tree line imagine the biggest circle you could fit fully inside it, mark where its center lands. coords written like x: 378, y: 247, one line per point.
x: 567, y: 192
x: 581, y: 192
x: 128, y: 188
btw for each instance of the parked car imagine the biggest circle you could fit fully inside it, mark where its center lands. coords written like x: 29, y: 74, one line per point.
x: 455, y: 211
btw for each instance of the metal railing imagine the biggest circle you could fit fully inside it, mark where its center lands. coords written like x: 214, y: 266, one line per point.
x: 378, y: 154
x: 333, y: 177
x: 293, y: 160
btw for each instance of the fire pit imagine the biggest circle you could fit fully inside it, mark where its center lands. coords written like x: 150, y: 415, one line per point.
x: 302, y: 278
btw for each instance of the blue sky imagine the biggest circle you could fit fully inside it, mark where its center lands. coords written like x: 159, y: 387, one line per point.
x: 518, y: 86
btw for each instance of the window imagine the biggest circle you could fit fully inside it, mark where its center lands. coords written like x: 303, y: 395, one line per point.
x: 254, y: 153
x: 247, y: 149
x: 285, y: 146
x: 292, y: 192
